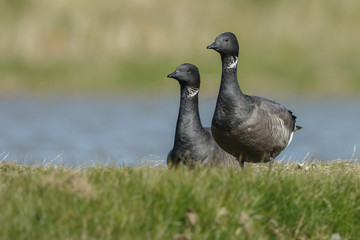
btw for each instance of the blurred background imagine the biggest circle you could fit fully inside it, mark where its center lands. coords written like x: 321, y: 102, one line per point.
x: 85, y: 82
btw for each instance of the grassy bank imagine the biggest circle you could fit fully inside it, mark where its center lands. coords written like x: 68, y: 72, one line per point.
x: 121, y: 45
x: 146, y: 203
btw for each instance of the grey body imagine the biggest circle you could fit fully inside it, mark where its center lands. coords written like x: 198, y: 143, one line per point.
x: 194, y: 144
x: 251, y: 128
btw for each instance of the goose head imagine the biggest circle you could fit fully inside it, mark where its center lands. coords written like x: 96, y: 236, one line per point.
x: 226, y: 44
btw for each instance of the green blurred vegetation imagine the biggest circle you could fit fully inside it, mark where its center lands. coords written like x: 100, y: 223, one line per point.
x: 148, y: 203
x: 80, y: 46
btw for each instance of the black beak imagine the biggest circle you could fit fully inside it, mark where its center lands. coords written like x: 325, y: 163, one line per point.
x: 172, y: 75
x: 212, y: 46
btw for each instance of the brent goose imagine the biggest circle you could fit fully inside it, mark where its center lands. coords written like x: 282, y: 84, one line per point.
x: 194, y: 144
x: 251, y: 128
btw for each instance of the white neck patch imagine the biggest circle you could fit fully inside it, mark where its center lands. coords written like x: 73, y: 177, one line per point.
x: 191, y: 92
x: 232, y: 62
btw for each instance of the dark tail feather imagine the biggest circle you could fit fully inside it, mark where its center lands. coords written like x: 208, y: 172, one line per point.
x: 297, y: 128
x: 294, y: 118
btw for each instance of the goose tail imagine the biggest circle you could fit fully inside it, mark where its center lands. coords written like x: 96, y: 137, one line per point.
x: 297, y: 128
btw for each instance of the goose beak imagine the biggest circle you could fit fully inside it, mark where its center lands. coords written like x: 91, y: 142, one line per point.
x: 212, y: 46
x: 172, y: 75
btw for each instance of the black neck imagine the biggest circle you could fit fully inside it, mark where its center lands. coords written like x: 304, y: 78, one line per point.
x: 188, y: 123
x: 230, y: 96
x: 229, y: 81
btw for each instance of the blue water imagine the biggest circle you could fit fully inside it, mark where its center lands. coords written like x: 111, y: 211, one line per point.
x: 132, y: 130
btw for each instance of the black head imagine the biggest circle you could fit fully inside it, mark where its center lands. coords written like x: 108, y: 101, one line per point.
x: 187, y: 74
x: 226, y: 44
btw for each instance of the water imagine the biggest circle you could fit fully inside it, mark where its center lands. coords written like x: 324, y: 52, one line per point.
x: 131, y: 130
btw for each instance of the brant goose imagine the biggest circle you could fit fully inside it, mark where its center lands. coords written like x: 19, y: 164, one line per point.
x: 251, y: 128
x: 194, y: 144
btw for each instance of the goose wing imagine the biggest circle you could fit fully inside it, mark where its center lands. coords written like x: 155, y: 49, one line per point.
x: 276, y: 121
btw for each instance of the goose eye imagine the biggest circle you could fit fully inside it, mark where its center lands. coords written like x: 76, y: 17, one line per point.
x: 188, y: 71
x: 226, y: 40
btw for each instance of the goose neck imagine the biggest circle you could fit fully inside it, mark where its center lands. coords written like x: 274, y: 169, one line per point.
x: 229, y: 64
x: 188, y: 118
x: 229, y: 81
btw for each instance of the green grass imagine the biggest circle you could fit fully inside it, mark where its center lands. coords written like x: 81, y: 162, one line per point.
x: 148, y: 203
